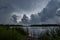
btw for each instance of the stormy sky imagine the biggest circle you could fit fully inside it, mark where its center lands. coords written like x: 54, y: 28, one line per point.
x: 19, y: 7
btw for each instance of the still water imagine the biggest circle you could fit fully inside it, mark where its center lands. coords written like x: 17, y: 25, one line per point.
x: 38, y: 31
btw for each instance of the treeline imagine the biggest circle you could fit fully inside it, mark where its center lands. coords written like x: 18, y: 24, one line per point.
x: 31, y: 25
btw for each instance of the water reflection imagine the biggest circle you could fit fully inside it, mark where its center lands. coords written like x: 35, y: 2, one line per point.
x: 36, y: 31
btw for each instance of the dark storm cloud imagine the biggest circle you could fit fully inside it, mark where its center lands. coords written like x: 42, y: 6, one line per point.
x: 25, y: 4
x: 7, y: 7
x: 5, y: 11
x: 49, y: 15
x: 30, y: 5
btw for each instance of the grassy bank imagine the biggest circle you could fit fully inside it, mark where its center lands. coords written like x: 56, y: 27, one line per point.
x: 53, y: 36
x: 9, y: 34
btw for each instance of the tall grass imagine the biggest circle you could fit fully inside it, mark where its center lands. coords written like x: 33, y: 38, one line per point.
x: 9, y: 34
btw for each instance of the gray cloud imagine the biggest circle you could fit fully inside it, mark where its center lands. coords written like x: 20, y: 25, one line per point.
x: 8, y: 7
x: 5, y: 11
x: 29, y: 7
x: 48, y: 15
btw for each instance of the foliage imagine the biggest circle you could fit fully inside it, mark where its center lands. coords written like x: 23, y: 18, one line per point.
x: 53, y: 36
x: 9, y: 34
x: 21, y: 31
